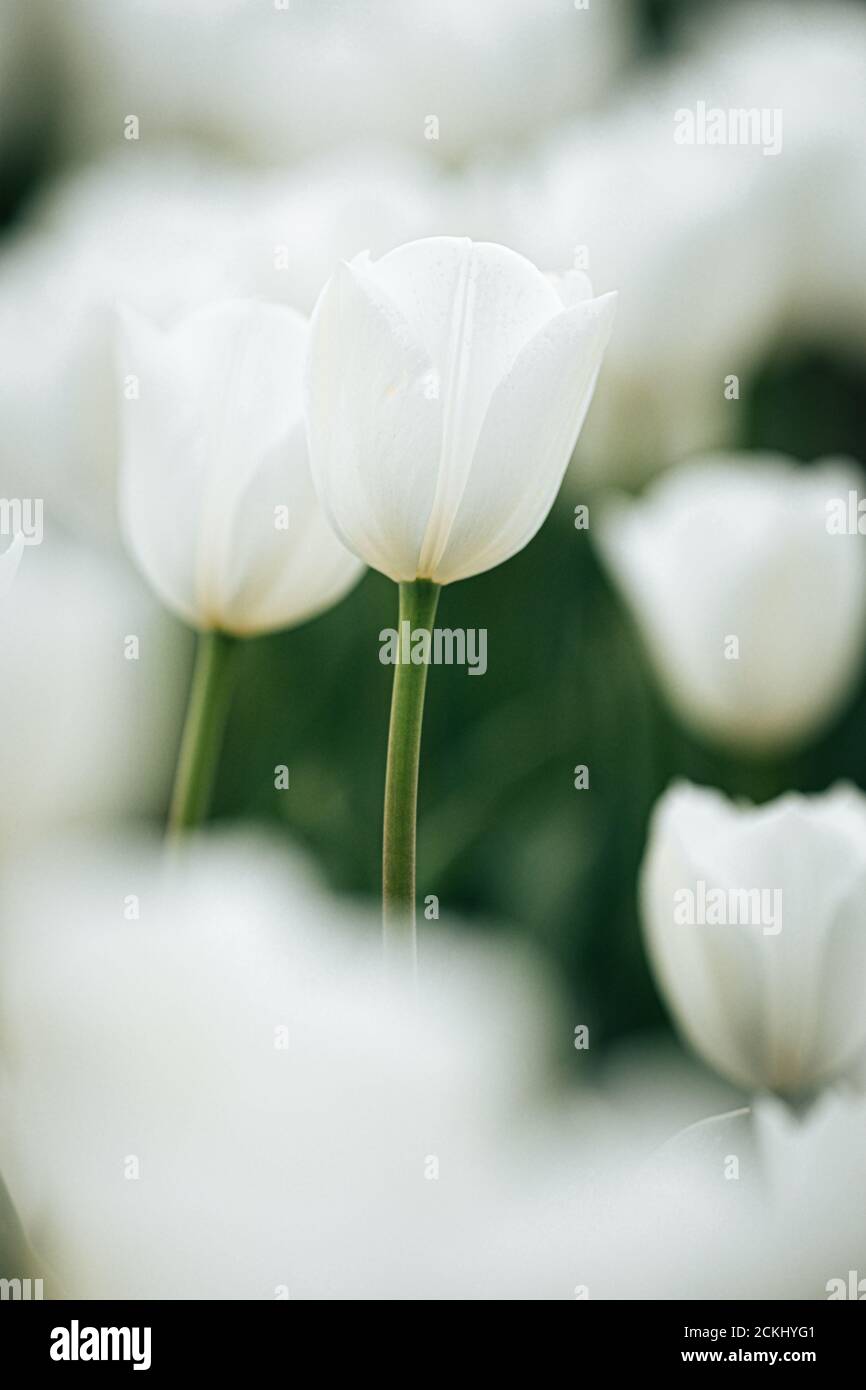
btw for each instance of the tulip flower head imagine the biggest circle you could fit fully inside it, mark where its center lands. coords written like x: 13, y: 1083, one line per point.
x: 446, y: 387
x: 755, y: 923
x: 752, y: 612
x: 217, y: 500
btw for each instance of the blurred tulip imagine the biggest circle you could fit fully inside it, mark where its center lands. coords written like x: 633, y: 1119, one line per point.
x: 287, y: 1115
x: 755, y: 923
x: 164, y: 234
x: 160, y: 235
x: 216, y: 496
x: 217, y: 501
x: 376, y: 1143
x: 752, y: 612
x: 447, y: 384
x: 614, y: 195
x: 773, y: 1210
x: 90, y: 694
x: 277, y: 80
x: 807, y: 61
x: 9, y: 562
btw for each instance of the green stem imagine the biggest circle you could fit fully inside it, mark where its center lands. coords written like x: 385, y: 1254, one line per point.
x: 207, y: 711
x: 418, y: 602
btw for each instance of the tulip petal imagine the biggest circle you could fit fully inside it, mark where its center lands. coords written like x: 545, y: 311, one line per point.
x: 527, y: 439
x: 374, y: 423
x: 218, y: 394
x: 473, y: 307
x: 161, y: 481
x: 282, y: 575
x: 706, y: 972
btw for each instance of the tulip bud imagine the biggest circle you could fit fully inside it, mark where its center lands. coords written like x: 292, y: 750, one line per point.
x: 755, y: 924
x: 216, y: 496
x: 752, y: 610
x: 446, y: 387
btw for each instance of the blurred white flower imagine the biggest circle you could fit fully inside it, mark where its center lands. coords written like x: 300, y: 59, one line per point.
x: 806, y: 61
x: 690, y: 238
x: 753, y: 614
x: 812, y: 1170
x: 755, y: 924
x: 216, y: 496
x: 220, y: 1098
x: 272, y: 81
x: 164, y: 234
x: 762, y: 1205
x: 447, y: 384
x: 158, y: 238
x: 284, y: 1127
x: 90, y: 694
x: 301, y: 222
x: 9, y: 562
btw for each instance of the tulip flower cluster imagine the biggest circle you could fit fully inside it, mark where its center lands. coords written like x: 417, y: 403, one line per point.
x: 752, y: 609
x: 271, y: 419
x: 444, y: 387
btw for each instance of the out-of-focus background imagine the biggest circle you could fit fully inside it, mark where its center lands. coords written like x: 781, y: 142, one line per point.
x: 162, y: 155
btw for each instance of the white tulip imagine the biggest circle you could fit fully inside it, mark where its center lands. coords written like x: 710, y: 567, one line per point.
x: 755, y: 923
x: 323, y: 1102
x: 447, y: 384
x: 164, y: 234
x: 217, y: 500
x: 807, y: 63
x: 814, y: 1163
x: 157, y: 235
x: 289, y: 1044
x: 752, y: 611
x: 615, y: 194
x: 313, y: 76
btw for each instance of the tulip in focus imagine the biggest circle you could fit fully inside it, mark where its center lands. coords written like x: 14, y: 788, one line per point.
x: 447, y: 385
x: 755, y: 923
x: 752, y: 612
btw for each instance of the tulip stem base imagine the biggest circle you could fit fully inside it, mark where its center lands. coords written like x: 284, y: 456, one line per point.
x: 201, y: 741
x: 418, y: 601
